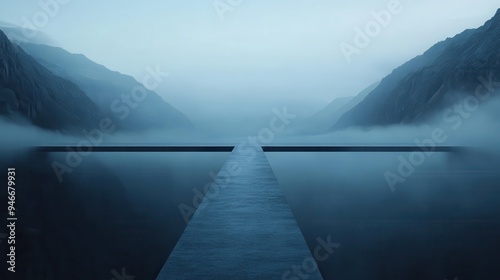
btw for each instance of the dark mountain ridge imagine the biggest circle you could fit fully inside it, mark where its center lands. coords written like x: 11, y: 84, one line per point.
x: 107, y: 88
x: 430, y: 82
x: 28, y: 89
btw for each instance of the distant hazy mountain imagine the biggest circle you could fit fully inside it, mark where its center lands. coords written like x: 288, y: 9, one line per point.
x: 323, y: 120
x: 335, y: 115
x: 29, y: 90
x: 320, y: 122
x: 432, y: 81
x: 17, y: 34
x: 107, y: 88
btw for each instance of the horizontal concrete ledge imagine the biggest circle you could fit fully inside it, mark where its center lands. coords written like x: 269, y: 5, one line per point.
x: 162, y: 149
x: 134, y: 149
x: 361, y: 149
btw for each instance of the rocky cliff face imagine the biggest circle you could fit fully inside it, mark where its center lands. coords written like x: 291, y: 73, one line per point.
x: 428, y: 83
x: 107, y: 89
x: 30, y: 90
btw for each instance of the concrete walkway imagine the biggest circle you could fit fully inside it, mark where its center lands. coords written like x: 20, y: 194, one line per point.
x: 246, y: 230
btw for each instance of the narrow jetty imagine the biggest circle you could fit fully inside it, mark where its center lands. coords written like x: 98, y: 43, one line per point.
x: 244, y: 229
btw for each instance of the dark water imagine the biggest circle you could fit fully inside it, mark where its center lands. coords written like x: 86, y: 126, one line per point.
x: 118, y: 214
x: 115, y: 212
x: 442, y: 222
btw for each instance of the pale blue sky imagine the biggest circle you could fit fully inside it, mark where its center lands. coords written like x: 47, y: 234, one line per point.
x: 281, y: 48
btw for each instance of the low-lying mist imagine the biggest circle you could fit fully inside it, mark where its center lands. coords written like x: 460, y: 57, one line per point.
x: 274, y: 126
x: 379, y: 206
x: 398, y: 215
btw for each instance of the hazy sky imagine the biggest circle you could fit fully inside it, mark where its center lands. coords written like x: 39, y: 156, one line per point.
x: 282, y: 48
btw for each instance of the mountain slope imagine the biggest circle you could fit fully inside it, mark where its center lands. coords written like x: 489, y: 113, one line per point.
x: 29, y: 90
x: 336, y: 115
x: 107, y: 88
x: 322, y: 121
x: 17, y: 34
x: 432, y: 81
